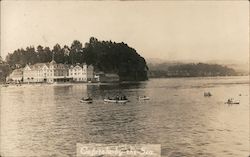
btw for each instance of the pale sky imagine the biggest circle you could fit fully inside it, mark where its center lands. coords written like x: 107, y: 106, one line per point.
x: 169, y: 30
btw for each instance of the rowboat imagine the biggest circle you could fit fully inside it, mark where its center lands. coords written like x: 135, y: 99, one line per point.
x: 115, y: 101
x: 232, y: 101
x: 207, y: 94
x: 88, y: 100
x: 143, y: 98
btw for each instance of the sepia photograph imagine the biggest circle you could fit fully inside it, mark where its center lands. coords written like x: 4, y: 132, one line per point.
x: 124, y: 78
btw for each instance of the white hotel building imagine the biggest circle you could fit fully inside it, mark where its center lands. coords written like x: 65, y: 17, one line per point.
x: 16, y: 76
x: 53, y: 72
x: 81, y: 73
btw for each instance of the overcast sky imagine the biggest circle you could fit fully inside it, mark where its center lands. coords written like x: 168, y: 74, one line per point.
x: 180, y: 30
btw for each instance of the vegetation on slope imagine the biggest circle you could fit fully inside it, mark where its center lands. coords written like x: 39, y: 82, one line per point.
x: 106, y: 56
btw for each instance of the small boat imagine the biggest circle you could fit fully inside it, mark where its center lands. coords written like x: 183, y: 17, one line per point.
x: 207, y: 94
x: 87, y: 100
x: 143, y: 98
x: 232, y: 101
x: 115, y: 101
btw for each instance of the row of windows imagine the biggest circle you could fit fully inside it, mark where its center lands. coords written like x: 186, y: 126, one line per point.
x: 77, y: 73
x: 60, y: 73
x: 71, y: 70
x: 51, y: 67
x: 55, y: 72
x: 80, y: 79
x: 84, y: 71
x: 46, y: 70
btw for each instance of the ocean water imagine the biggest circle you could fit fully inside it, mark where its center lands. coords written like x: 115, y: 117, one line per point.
x: 49, y: 120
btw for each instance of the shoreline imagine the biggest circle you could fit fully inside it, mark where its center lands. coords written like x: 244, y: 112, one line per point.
x: 119, y: 82
x: 196, y: 76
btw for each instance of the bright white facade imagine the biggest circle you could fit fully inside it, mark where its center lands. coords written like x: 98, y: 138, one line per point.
x: 45, y: 72
x: 30, y: 73
x: 81, y: 73
x: 53, y: 72
x: 16, y: 76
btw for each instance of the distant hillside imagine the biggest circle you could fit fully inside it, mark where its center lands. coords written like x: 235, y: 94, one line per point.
x: 189, y: 70
x: 160, y: 66
x: 241, y: 67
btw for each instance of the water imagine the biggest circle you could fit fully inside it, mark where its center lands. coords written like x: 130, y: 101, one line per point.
x: 45, y: 120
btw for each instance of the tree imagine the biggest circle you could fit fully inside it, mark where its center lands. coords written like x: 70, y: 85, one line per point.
x: 107, y: 56
x: 47, y: 54
x: 117, y: 58
x: 1, y: 60
x: 31, y: 55
x: 76, y: 52
x: 58, y: 54
x: 66, y: 52
x: 5, y: 70
x: 40, y: 53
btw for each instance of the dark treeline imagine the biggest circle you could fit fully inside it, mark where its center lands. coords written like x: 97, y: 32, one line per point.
x: 106, y: 56
x: 4, y: 71
x: 191, y: 70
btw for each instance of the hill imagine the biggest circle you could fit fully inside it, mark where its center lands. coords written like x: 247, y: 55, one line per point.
x: 189, y: 70
x: 106, y: 56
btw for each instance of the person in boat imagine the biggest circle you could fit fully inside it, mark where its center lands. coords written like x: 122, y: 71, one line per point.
x: 207, y: 94
x: 125, y: 98
x: 89, y: 98
x: 86, y: 99
x: 117, y: 97
x: 230, y: 100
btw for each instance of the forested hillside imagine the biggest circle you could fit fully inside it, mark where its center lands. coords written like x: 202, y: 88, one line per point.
x: 106, y: 56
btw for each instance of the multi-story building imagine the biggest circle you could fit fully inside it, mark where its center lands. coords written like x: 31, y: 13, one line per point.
x: 53, y: 72
x: 16, y: 76
x: 57, y: 72
x: 81, y: 73
x: 31, y: 73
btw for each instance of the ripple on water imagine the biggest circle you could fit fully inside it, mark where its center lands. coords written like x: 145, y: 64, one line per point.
x: 51, y: 120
